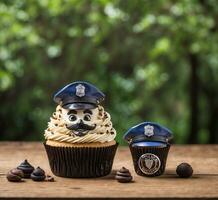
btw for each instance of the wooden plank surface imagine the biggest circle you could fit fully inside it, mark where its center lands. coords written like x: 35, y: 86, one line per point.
x: 204, y: 184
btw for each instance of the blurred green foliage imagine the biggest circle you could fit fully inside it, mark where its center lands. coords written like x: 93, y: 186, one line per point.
x: 140, y: 53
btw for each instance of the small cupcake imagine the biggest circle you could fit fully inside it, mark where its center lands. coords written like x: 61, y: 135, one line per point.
x: 80, y: 139
x: 149, y: 144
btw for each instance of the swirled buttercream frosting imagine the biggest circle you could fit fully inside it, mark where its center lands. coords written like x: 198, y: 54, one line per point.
x: 80, y: 126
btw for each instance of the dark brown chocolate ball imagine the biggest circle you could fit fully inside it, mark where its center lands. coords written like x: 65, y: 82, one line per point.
x: 184, y: 170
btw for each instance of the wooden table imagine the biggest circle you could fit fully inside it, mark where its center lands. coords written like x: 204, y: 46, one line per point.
x: 204, y: 183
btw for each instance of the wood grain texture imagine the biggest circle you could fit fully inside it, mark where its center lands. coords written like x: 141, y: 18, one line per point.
x: 204, y: 183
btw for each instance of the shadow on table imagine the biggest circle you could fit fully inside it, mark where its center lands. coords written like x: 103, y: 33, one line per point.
x: 172, y: 174
x: 169, y: 174
x: 109, y: 176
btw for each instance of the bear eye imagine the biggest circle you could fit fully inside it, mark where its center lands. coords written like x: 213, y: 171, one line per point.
x: 72, y: 117
x: 87, y: 117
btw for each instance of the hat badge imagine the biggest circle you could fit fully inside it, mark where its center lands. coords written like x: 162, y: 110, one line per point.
x: 149, y: 130
x: 80, y: 90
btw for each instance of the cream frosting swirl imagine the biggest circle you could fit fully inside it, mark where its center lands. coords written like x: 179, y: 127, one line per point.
x: 103, y: 131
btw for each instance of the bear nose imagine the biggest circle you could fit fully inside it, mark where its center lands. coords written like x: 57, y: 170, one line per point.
x: 81, y: 121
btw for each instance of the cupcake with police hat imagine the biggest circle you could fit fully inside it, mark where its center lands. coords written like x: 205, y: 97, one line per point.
x: 149, y: 145
x: 80, y: 138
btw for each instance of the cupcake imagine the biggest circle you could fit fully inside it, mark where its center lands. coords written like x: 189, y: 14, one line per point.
x: 149, y: 144
x: 80, y: 139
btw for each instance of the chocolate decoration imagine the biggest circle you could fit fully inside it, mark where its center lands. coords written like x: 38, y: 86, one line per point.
x: 184, y: 170
x: 38, y: 174
x: 123, y: 175
x: 49, y: 178
x: 27, y: 168
x: 15, y: 175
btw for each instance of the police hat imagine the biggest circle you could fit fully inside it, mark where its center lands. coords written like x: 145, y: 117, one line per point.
x: 148, y: 133
x: 78, y: 96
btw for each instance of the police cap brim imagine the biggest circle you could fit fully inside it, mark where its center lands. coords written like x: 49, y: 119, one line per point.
x: 79, y: 106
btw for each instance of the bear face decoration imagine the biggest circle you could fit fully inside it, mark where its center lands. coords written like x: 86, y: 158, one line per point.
x: 80, y: 125
x: 80, y: 122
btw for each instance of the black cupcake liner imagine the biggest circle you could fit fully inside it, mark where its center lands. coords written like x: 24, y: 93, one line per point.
x: 160, y: 152
x: 81, y: 162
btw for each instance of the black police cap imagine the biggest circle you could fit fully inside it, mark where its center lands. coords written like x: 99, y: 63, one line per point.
x: 78, y: 96
x: 148, y: 132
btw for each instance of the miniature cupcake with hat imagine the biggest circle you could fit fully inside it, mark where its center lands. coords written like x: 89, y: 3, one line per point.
x: 80, y: 138
x: 149, y: 144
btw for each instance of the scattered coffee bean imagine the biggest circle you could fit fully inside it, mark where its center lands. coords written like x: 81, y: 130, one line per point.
x: 49, y: 178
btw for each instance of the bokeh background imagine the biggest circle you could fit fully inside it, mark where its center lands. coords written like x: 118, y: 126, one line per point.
x: 154, y: 60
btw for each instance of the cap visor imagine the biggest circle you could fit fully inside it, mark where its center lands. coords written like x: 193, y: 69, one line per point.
x: 79, y: 106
